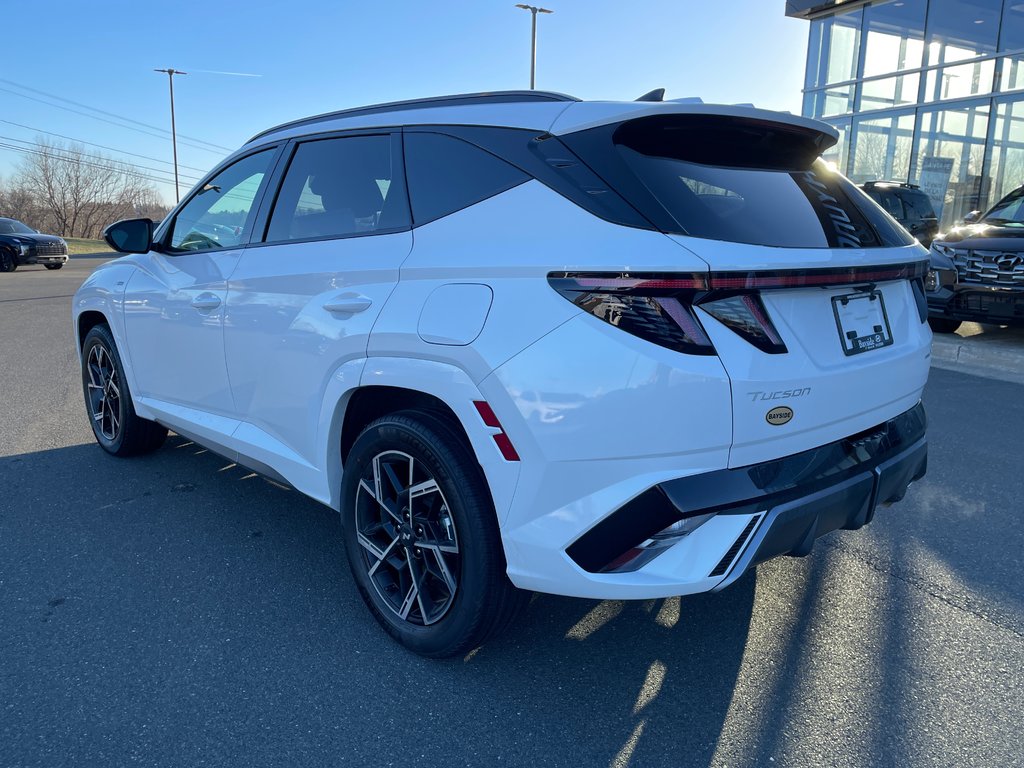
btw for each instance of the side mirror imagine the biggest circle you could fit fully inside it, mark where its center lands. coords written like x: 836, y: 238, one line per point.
x: 973, y: 217
x: 130, y: 235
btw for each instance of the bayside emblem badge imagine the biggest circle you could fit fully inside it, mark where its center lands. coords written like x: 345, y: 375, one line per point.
x: 779, y: 416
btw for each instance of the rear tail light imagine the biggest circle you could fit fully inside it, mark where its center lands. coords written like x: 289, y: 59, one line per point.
x: 746, y: 315
x: 660, y: 309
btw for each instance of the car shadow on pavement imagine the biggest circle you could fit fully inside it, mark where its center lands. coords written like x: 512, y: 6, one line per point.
x: 182, y: 608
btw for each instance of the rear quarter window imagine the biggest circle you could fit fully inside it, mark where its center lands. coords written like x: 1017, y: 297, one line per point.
x: 445, y: 175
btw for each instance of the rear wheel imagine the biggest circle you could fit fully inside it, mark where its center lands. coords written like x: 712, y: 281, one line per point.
x: 108, y: 402
x: 53, y: 266
x: 7, y: 262
x: 422, y: 536
x: 943, y: 324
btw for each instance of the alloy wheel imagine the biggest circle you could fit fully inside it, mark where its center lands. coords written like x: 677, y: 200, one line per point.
x: 407, y: 538
x: 104, y: 392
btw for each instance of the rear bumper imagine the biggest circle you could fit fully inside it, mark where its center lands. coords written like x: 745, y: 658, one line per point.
x: 792, y: 528
x: 778, y: 507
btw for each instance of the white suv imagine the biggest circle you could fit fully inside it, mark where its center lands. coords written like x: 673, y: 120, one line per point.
x: 524, y: 342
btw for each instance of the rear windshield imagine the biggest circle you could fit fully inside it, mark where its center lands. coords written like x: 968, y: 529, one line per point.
x: 918, y: 205
x: 749, y: 181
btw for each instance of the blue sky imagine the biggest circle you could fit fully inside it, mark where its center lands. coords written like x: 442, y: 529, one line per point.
x: 319, y: 55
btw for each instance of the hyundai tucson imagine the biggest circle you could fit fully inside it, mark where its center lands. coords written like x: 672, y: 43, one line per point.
x: 522, y: 342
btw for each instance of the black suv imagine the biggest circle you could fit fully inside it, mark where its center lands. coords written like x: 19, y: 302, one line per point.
x: 977, y: 269
x: 909, y: 205
x: 20, y: 244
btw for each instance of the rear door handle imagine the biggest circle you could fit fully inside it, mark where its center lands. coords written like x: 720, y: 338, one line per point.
x: 349, y: 303
x: 206, y: 301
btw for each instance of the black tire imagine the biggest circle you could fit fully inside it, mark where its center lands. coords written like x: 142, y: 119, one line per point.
x: 7, y: 261
x: 466, y: 596
x: 53, y: 266
x: 108, y: 403
x: 943, y: 324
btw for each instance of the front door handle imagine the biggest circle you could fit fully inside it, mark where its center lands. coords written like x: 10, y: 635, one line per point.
x: 348, y: 303
x: 206, y: 301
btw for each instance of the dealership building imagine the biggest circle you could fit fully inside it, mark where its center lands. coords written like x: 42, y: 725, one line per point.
x: 925, y: 91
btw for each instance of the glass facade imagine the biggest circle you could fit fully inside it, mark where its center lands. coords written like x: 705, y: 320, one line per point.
x: 925, y: 91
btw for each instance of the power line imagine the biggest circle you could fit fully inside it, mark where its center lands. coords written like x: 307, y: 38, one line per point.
x: 123, y: 171
x: 101, y: 146
x: 68, y: 153
x: 109, y: 114
x: 104, y: 120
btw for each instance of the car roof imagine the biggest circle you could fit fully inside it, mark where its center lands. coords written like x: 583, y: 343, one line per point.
x: 546, y: 111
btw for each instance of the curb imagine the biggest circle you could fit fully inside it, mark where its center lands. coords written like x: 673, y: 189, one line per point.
x: 1002, y: 360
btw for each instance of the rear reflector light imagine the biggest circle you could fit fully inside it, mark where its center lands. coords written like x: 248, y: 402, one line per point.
x: 637, y: 557
x: 508, y: 451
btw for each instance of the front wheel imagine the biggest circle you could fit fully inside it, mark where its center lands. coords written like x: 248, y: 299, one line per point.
x: 7, y: 262
x: 53, y: 266
x: 943, y: 324
x: 422, y: 536
x: 117, y: 428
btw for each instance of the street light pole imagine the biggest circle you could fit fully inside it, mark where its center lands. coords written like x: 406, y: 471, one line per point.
x: 534, y: 10
x: 174, y: 135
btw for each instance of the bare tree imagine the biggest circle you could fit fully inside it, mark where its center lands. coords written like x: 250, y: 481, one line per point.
x: 78, y: 192
x: 16, y: 202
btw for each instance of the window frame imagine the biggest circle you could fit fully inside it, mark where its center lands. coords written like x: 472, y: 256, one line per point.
x: 162, y: 235
x: 261, y: 226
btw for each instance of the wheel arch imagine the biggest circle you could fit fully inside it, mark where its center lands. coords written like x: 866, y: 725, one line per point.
x: 88, y: 320
x: 369, y: 403
x: 100, y: 299
x: 386, y: 385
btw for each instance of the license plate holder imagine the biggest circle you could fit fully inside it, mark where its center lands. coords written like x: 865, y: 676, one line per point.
x: 862, y: 322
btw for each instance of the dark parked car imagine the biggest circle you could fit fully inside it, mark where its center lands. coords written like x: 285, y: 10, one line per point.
x: 20, y: 244
x: 977, y: 269
x: 909, y: 205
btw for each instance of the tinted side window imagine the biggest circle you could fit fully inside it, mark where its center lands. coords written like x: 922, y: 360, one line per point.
x: 448, y: 174
x: 219, y: 215
x: 340, y: 187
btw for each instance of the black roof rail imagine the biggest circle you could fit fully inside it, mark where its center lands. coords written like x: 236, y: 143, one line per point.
x: 493, y: 97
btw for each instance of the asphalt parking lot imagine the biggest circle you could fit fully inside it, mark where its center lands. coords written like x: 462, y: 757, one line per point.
x: 176, y: 610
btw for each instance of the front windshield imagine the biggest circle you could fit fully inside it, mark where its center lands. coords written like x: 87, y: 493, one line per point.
x: 14, y: 227
x: 1009, y: 210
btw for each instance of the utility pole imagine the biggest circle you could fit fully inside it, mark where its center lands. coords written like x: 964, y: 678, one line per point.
x: 534, y: 10
x: 174, y: 136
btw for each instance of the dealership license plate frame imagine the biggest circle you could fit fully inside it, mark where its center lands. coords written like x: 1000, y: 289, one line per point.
x: 862, y: 327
